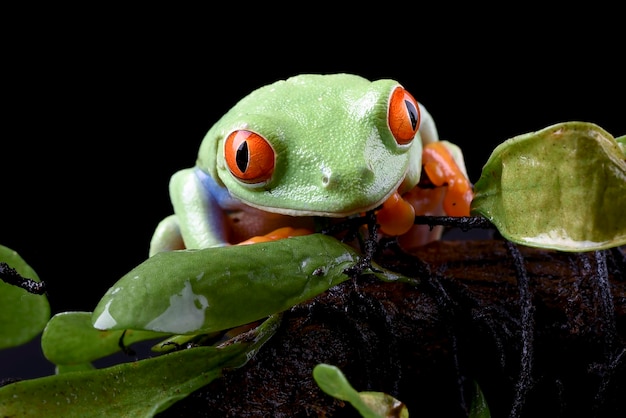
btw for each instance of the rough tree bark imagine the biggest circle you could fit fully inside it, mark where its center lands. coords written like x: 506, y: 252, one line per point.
x: 552, y: 345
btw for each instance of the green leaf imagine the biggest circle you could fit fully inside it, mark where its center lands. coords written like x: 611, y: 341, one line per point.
x: 139, y: 389
x: 384, y: 405
x: 332, y: 381
x: 563, y: 187
x: 479, y: 407
x: 23, y: 315
x: 369, y: 404
x: 69, y: 338
x: 201, y: 291
x: 66, y: 368
x: 621, y: 140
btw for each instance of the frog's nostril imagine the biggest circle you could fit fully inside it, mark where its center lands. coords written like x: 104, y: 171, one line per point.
x: 347, y: 179
x: 326, y: 176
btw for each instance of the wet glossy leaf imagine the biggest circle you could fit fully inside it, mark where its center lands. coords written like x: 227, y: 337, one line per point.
x: 563, y: 187
x: 23, y: 315
x: 369, y: 404
x: 138, y: 389
x: 192, y: 291
x: 69, y: 338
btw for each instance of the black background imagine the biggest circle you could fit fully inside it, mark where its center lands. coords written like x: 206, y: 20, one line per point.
x: 99, y: 110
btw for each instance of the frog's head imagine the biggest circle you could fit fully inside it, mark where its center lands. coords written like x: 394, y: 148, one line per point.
x: 326, y: 145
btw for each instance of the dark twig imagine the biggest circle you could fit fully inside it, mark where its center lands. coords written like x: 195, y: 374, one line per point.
x: 611, y: 370
x: 465, y: 223
x: 527, y: 321
x: 619, y: 260
x: 607, y: 309
x: 9, y: 275
x: 125, y: 349
x: 370, y: 247
x: 351, y: 225
x: 447, y: 304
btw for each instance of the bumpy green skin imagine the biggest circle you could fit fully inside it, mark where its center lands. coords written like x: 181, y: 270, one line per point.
x: 336, y: 153
x: 563, y: 187
x: 196, y: 291
x: 335, y: 156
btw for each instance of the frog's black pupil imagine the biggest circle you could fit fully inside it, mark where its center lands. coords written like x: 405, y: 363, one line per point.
x: 243, y: 156
x: 412, y: 113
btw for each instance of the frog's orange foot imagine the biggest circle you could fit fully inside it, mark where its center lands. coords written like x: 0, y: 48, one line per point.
x: 396, y: 216
x: 442, y: 170
x: 280, y: 233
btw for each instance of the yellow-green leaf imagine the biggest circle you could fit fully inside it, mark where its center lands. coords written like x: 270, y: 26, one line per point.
x: 563, y: 187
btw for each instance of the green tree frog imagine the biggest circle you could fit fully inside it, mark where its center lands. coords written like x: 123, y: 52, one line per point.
x: 313, y: 145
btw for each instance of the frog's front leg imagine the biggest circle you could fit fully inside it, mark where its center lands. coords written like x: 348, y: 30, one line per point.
x: 166, y: 236
x: 199, y: 221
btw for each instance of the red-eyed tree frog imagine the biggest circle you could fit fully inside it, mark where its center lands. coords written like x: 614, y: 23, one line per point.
x: 313, y: 145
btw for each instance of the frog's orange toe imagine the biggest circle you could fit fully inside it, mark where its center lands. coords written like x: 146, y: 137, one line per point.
x: 280, y: 233
x: 457, y: 201
x: 441, y: 169
x: 396, y: 216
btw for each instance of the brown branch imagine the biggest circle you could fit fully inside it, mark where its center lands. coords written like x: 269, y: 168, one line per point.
x: 427, y: 344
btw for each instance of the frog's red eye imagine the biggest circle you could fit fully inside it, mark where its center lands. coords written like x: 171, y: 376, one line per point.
x: 249, y: 156
x: 403, y: 116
